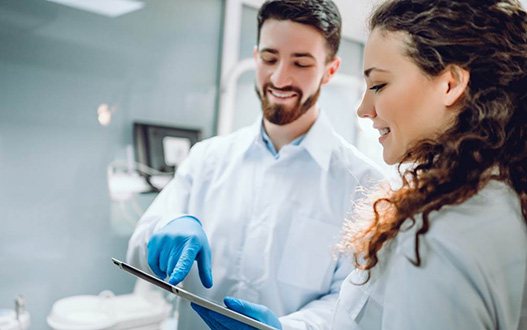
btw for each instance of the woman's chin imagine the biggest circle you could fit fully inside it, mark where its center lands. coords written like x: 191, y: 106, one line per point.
x: 390, y: 159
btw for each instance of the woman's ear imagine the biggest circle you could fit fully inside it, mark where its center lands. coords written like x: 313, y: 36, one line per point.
x: 455, y: 81
x: 331, y: 68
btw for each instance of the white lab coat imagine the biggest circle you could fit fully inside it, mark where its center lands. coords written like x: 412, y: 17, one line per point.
x: 473, y: 272
x: 272, y: 223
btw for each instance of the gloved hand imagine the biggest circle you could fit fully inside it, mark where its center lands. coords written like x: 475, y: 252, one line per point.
x: 173, y: 249
x: 217, y: 321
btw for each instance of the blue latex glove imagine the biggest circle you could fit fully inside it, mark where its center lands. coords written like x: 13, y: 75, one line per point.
x: 173, y: 249
x: 217, y: 321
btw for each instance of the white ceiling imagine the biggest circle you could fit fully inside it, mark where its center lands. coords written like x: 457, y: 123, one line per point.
x: 354, y: 15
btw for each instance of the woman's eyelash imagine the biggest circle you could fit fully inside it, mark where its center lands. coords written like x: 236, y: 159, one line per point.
x: 377, y: 88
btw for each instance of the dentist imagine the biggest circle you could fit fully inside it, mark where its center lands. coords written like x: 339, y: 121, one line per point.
x: 261, y: 209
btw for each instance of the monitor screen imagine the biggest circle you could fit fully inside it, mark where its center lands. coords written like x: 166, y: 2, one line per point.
x: 163, y: 148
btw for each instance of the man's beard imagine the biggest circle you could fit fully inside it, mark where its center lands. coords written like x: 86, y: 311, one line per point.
x: 279, y: 114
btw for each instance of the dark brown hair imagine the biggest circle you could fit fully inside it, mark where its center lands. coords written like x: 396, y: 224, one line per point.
x: 488, y: 139
x: 323, y: 15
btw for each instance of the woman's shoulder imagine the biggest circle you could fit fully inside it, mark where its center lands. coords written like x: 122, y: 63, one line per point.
x: 484, y: 230
x: 472, y: 259
x: 494, y: 209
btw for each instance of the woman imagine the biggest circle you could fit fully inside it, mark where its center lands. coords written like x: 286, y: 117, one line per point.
x: 447, y: 90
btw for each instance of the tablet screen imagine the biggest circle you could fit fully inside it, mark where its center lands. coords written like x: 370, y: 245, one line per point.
x: 191, y: 296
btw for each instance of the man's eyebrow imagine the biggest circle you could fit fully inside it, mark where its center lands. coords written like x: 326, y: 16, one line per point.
x: 303, y: 55
x: 268, y: 50
x: 274, y: 51
x: 367, y: 72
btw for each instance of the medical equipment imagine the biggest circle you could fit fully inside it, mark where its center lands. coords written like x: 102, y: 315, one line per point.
x: 192, y: 297
x: 108, y: 311
x: 163, y: 148
x: 17, y: 319
x: 150, y: 164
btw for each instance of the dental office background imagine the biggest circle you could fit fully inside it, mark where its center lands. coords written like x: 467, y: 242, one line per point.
x: 75, y: 75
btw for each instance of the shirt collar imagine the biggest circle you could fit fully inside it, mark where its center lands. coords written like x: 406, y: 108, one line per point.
x: 269, y: 144
x: 320, y: 141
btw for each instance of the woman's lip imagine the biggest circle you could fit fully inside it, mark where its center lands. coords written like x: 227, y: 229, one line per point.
x: 382, y: 138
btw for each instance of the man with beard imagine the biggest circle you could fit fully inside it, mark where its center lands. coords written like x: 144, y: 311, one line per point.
x: 263, y: 206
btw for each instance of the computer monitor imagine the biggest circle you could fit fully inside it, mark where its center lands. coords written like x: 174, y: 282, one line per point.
x: 163, y: 148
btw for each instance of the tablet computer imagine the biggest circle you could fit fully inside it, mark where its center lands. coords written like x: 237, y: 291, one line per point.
x: 192, y: 297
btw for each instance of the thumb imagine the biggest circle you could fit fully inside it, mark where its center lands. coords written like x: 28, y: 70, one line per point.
x: 244, y: 307
x: 258, y: 312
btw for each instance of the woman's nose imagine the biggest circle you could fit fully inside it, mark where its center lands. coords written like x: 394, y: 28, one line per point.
x: 366, y: 108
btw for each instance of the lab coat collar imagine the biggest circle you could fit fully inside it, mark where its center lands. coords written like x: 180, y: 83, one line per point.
x: 253, y: 136
x: 320, y: 141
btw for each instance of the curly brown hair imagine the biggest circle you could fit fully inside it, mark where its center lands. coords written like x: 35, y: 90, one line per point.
x: 488, y: 139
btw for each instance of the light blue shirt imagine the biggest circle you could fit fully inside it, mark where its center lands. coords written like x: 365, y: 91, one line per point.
x: 472, y: 277
x: 272, y: 222
x: 270, y: 146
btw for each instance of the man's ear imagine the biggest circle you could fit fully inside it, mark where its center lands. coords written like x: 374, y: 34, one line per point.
x: 331, y: 68
x: 454, y: 81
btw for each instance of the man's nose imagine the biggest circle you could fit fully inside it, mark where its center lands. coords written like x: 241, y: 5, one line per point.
x: 281, y: 77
